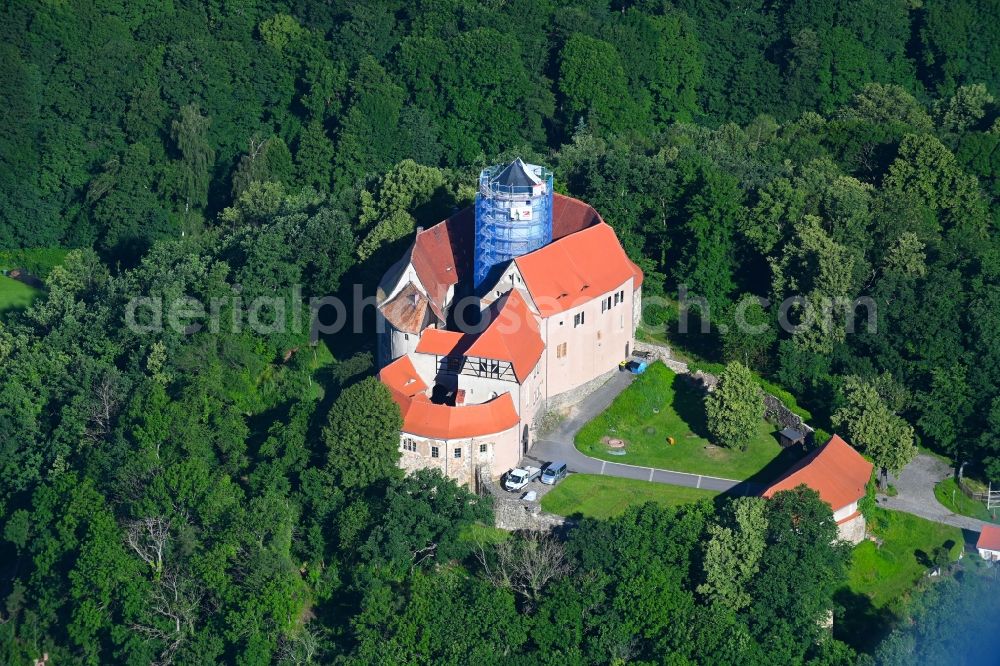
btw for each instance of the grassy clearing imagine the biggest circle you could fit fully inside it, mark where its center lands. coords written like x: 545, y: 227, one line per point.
x: 908, y: 542
x: 880, y: 579
x: 15, y: 295
x: 483, y: 534
x: 597, y: 496
x: 952, y: 498
x: 661, y: 404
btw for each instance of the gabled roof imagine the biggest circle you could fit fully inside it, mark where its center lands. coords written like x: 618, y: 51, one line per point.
x: 576, y: 268
x: 516, y: 174
x: 835, y: 470
x: 439, y: 342
x: 990, y: 538
x: 443, y: 254
x: 401, y: 377
x: 512, y: 335
x: 407, y: 309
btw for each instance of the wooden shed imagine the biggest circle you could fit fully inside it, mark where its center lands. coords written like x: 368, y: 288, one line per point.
x: 790, y: 437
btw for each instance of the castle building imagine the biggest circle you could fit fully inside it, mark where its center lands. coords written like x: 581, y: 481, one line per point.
x: 520, y: 304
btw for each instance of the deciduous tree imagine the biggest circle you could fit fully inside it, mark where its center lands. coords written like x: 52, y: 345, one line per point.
x: 735, y: 408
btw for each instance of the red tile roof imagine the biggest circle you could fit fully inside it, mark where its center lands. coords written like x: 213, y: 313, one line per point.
x: 990, y: 538
x: 570, y: 215
x: 400, y: 376
x: 442, y: 255
x: 426, y: 419
x: 512, y: 335
x: 835, y: 470
x: 576, y: 269
x: 423, y: 418
x: 439, y: 341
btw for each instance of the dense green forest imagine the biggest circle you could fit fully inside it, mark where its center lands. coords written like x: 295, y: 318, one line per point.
x: 210, y: 497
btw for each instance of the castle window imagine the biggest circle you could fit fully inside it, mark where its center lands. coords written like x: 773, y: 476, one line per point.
x: 434, y: 452
x: 579, y: 319
x: 616, y: 298
x: 561, y: 350
x: 458, y: 453
x: 482, y: 448
x: 409, y: 445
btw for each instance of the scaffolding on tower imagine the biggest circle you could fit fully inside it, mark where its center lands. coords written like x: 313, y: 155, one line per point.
x: 513, y: 215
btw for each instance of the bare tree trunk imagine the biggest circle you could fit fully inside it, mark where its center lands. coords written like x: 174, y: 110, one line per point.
x: 526, y: 565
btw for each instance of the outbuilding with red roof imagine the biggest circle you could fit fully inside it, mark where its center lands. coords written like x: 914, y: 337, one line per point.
x: 989, y: 543
x: 840, y: 475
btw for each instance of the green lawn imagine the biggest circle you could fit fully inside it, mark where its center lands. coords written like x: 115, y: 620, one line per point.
x: 15, y: 295
x: 880, y: 578
x: 483, y: 534
x: 952, y: 498
x: 605, y: 496
x: 661, y: 404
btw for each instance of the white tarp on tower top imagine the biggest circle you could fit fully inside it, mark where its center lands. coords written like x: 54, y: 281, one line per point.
x: 517, y: 174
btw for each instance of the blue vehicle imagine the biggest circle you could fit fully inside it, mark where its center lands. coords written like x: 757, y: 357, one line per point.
x: 635, y: 367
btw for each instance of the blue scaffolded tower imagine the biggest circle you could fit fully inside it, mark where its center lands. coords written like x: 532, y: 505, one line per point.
x: 513, y: 215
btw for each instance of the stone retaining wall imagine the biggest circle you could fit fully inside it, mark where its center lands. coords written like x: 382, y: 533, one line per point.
x: 575, y: 395
x: 511, y: 513
x: 775, y: 411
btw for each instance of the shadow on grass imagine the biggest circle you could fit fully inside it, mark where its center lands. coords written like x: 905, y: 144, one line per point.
x: 858, y: 622
x: 689, y: 403
x: 759, y: 482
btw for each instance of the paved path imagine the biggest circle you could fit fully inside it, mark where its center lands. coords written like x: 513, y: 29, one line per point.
x: 915, y: 484
x: 559, y: 445
x: 916, y: 493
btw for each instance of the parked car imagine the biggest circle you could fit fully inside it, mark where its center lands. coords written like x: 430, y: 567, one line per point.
x: 554, y: 473
x: 518, y: 478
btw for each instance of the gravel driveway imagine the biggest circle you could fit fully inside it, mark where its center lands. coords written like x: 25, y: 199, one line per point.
x: 916, y: 493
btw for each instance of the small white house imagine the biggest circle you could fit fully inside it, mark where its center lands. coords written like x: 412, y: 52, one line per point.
x: 989, y: 543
